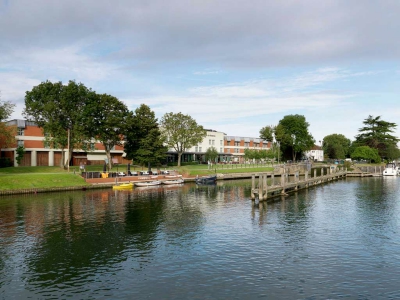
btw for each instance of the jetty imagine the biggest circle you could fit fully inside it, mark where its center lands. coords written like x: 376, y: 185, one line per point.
x: 264, y: 185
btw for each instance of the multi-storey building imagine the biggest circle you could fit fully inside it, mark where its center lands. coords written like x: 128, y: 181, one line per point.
x: 234, y: 146
x: 197, y: 153
x: 37, y: 153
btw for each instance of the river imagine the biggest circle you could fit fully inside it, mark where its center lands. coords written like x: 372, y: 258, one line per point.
x: 340, y: 240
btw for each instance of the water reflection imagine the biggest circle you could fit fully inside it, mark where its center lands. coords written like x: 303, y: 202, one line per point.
x: 204, y: 242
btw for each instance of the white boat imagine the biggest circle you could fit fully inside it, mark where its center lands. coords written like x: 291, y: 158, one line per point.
x: 175, y: 181
x: 148, y: 183
x: 391, y: 170
x: 173, y: 176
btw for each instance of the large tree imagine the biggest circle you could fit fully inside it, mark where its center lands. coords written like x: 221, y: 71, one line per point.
x: 377, y: 133
x: 144, y: 142
x: 211, y: 154
x: 7, y: 133
x: 182, y: 132
x: 273, y: 134
x: 57, y: 109
x: 293, y: 135
x: 366, y: 153
x: 104, y: 118
x: 336, y: 146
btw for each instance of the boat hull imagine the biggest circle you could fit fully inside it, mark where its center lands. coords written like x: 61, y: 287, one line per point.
x: 124, y: 186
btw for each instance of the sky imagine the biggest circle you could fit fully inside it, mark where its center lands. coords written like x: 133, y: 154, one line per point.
x: 234, y: 66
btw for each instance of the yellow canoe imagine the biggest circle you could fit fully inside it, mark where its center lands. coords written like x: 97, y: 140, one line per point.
x: 123, y: 186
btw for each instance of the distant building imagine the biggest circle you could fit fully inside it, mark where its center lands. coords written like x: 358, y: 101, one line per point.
x: 37, y: 153
x: 197, y: 153
x: 315, y: 154
x: 235, y: 146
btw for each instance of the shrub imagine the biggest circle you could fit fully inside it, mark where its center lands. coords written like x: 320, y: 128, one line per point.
x: 5, y: 162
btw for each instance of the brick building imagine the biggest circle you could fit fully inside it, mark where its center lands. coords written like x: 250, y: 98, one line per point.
x: 37, y: 153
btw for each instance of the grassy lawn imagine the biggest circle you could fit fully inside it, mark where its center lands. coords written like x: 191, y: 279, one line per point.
x: 194, y: 170
x: 39, y: 180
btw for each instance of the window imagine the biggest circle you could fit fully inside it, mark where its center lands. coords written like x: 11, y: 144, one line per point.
x: 209, y: 142
x: 255, y: 144
x: 246, y: 144
x: 236, y: 150
x: 20, y: 131
x: 213, y: 142
x: 220, y: 142
x: 196, y: 149
x: 237, y: 143
x: 199, y: 149
x: 220, y: 150
x: 20, y: 143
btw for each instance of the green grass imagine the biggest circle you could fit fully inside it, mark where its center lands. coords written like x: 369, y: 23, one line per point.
x: 194, y: 170
x: 39, y: 180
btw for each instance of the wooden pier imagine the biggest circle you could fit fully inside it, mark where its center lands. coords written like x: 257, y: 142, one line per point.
x: 263, y: 191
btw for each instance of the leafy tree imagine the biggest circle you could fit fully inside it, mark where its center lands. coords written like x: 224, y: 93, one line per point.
x: 182, y: 132
x: 20, y: 154
x: 57, y: 109
x: 7, y: 133
x: 336, y: 146
x: 144, y: 142
x: 367, y: 153
x: 292, y: 133
x: 104, y: 118
x: 377, y: 134
x: 272, y: 134
x: 211, y: 153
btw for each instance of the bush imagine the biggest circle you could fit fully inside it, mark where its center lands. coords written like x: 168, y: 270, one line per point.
x: 5, y: 162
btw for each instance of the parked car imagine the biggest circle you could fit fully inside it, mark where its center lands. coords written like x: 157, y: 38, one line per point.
x: 144, y: 173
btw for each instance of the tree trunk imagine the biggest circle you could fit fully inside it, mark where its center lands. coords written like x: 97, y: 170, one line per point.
x: 179, y: 158
x: 108, y: 154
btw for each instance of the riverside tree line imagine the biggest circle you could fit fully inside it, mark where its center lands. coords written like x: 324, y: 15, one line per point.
x: 74, y: 116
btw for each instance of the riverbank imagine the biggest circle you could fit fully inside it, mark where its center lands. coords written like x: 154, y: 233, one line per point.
x: 31, y: 180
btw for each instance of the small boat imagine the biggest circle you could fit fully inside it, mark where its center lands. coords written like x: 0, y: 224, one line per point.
x: 123, y: 186
x: 391, y: 170
x: 148, y: 183
x: 173, y: 176
x: 206, y: 179
x: 175, y: 181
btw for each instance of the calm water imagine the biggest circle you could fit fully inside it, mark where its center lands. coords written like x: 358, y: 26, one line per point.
x: 337, y: 241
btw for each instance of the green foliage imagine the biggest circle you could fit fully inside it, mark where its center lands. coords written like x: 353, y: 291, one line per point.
x: 292, y: 133
x: 211, y: 154
x: 377, y: 134
x: 7, y: 133
x: 181, y: 132
x: 144, y: 141
x: 20, y: 154
x: 272, y: 134
x: 105, y: 118
x: 366, y: 153
x: 58, y: 108
x: 5, y: 162
x: 6, y: 109
x: 336, y: 146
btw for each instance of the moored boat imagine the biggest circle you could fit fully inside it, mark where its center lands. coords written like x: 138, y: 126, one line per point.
x: 123, y: 186
x: 175, y: 181
x: 148, y: 183
x: 206, y: 179
x: 390, y: 170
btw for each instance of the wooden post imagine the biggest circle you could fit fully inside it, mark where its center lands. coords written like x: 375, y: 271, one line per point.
x: 260, y: 187
x: 296, y: 180
x: 253, y: 186
x: 283, y: 182
x: 315, y: 173
x: 265, y: 186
